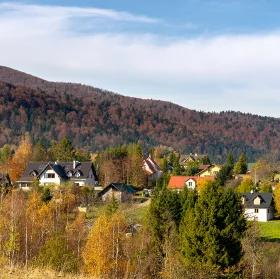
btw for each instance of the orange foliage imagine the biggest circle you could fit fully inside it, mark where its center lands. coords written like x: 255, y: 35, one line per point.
x: 19, y: 161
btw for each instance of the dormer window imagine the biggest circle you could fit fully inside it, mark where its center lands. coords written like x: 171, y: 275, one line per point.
x: 69, y: 174
x: 78, y: 174
x: 257, y: 200
x: 34, y: 173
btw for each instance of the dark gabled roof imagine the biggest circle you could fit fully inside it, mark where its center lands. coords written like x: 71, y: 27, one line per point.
x: 266, y: 200
x: 5, y: 179
x: 61, y: 168
x: 120, y: 187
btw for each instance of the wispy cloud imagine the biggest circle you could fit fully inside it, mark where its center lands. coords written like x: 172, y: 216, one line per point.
x: 238, y: 72
x: 68, y: 12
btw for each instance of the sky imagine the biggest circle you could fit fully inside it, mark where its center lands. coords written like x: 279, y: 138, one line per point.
x: 207, y: 55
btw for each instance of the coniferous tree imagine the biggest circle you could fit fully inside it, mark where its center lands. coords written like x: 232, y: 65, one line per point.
x: 39, y: 153
x: 211, y: 232
x: 63, y: 150
x: 241, y: 165
x: 164, y: 213
x: 226, y: 171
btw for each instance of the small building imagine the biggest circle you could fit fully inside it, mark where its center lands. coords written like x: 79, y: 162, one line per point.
x: 258, y: 206
x: 56, y: 173
x: 191, y: 182
x: 120, y: 191
x: 209, y: 170
x: 190, y: 158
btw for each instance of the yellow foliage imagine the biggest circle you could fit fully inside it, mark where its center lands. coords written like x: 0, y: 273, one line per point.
x: 276, y: 195
x: 104, y: 251
x: 19, y: 161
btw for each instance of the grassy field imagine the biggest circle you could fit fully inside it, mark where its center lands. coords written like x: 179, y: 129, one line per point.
x: 22, y: 273
x: 270, y: 230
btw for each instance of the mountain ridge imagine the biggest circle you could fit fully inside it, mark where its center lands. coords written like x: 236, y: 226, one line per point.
x: 96, y: 118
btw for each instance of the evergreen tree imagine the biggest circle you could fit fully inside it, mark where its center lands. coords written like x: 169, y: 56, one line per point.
x: 164, y: 212
x: 47, y: 195
x: 241, y: 165
x: 39, y: 153
x: 211, y: 232
x: 63, y: 150
x: 226, y: 171
x: 230, y: 160
x: 6, y: 153
x: 205, y: 160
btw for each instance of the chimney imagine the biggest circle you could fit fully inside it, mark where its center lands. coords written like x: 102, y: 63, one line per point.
x: 74, y: 164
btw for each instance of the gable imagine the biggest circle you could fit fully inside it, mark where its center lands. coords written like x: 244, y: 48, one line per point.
x: 257, y: 200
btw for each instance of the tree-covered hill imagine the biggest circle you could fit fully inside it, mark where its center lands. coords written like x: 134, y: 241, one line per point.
x: 95, y: 119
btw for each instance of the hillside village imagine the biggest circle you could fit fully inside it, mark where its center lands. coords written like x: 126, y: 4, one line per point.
x: 177, y: 171
x: 79, y: 189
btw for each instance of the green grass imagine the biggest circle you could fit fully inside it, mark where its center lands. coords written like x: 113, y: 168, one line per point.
x: 270, y: 230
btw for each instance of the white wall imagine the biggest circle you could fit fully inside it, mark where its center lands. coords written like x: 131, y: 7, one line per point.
x: 263, y: 215
x: 44, y: 180
x: 192, y: 182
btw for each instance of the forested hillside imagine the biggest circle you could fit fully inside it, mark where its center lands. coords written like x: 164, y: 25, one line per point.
x: 95, y: 119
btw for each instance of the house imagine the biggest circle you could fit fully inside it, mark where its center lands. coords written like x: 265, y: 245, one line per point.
x: 120, y: 191
x: 191, y: 182
x: 209, y: 170
x: 49, y: 173
x: 258, y: 206
x: 185, y: 159
x: 152, y: 169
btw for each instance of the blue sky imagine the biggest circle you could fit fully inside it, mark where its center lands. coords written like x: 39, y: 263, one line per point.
x: 206, y: 55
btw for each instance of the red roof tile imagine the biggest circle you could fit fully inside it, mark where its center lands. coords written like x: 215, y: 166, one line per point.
x: 179, y: 182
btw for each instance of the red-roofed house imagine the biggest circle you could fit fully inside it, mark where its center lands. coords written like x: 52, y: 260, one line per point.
x: 191, y: 182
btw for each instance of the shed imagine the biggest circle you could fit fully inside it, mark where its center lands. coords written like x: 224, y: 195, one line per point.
x: 120, y: 191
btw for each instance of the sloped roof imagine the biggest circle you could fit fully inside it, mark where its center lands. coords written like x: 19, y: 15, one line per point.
x: 266, y: 200
x: 150, y: 166
x: 179, y: 182
x: 120, y: 187
x: 5, y: 179
x: 204, y: 168
x: 60, y: 168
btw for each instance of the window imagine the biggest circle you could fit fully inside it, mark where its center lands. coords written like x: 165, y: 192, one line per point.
x: 256, y: 210
x: 50, y: 175
x: 190, y: 184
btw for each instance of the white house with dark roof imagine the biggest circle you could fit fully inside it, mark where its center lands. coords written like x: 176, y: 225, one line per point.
x: 49, y: 173
x: 258, y: 206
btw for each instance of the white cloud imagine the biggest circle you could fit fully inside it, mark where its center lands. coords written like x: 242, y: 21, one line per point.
x: 67, y: 12
x: 237, y: 72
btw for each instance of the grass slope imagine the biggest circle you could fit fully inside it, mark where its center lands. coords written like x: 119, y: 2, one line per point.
x: 270, y: 230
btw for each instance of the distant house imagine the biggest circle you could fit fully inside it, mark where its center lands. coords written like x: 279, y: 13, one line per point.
x: 258, y: 206
x: 185, y: 159
x: 209, y: 170
x: 120, y: 191
x: 191, y: 182
x: 152, y: 169
x: 47, y: 173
